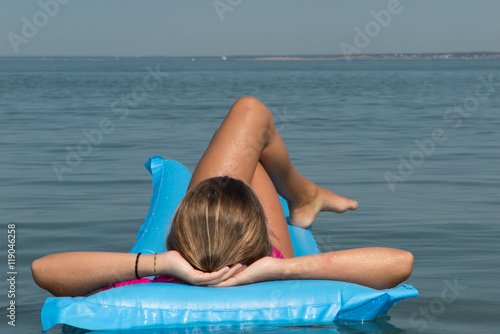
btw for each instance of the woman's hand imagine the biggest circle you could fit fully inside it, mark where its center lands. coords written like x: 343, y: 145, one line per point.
x: 173, y: 264
x: 265, y: 269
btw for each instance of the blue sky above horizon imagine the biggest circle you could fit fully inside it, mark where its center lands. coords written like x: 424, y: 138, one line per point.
x: 246, y: 27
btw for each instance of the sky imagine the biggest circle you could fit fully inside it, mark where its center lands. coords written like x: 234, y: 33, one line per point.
x: 246, y: 27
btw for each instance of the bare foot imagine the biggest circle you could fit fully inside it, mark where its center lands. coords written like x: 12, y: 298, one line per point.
x: 320, y: 199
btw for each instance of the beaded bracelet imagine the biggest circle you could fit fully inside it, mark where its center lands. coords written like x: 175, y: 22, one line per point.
x: 136, y: 263
x: 155, y: 266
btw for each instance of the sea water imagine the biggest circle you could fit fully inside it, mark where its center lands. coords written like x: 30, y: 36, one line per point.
x: 416, y: 143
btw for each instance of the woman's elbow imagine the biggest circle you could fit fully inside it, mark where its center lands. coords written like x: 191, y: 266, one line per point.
x: 37, y: 270
x: 403, y: 267
x: 41, y: 274
x: 409, y: 263
x: 397, y: 270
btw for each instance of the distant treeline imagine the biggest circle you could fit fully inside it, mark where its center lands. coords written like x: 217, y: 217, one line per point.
x: 378, y: 56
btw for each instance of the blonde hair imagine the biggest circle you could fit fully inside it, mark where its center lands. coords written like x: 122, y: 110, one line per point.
x: 219, y: 222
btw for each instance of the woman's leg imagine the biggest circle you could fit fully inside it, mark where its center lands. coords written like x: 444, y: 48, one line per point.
x: 248, y: 136
x: 276, y: 222
x: 235, y: 148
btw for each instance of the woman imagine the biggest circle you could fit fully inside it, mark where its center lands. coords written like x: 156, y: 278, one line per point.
x: 231, y: 221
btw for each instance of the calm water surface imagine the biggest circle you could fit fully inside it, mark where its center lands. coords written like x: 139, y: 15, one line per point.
x: 416, y: 143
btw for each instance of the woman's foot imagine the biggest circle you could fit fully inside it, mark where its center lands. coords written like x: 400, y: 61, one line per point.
x: 319, y: 199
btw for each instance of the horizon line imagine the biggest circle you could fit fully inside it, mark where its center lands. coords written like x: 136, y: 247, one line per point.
x: 258, y: 56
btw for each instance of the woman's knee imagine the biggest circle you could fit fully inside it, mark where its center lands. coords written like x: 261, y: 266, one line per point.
x: 249, y: 102
x: 251, y: 109
x: 251, y: 112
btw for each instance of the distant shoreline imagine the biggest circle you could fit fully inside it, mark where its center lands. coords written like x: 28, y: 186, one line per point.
x: 379, y: 56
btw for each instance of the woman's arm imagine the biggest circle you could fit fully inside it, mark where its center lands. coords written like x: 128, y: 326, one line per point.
x: 376, y: 267
x: 80, y: 273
